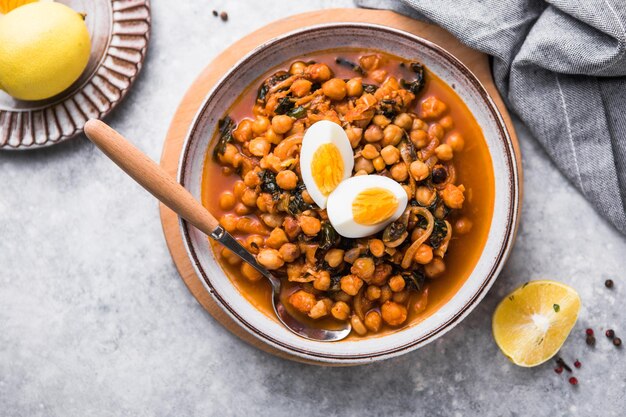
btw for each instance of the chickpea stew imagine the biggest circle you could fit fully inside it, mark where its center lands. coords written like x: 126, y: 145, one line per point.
x: 402, y: 122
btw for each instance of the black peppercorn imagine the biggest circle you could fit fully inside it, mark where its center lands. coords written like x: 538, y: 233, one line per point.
x: 617, y: 341
x: 608, y: 283
x: 591, y: 341
x: 215, y: 13
x: 224, y: 16
x: 610, y: 333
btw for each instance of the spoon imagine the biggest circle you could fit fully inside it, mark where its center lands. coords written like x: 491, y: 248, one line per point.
x: 154, y: 179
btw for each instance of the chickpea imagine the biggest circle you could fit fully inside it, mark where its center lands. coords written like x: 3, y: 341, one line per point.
x: 447, y: 123
x: 243, y: 132
x: 401, y: 297
x: 251, y: 179
x: 425, y: 196
x: 378, y: 75
x: 248, y: 225
x: 354, y: 87
x: 381, y: 121
x: 340, y: 310
x: 259, y: 147
x: 354, y: 135
x: 379, y: 163
x: 310, y: 225
x: 270, y: 258
x: 360, y: 172
x: 419, y: 138
x: 282, y: 123
x: 370, y: 62
x: 393, y: 313
x: 369, y: 151
x: 392, y: 135
x: 307, y: 197
x: 452, y: 196
x: 334, y: 257
x: 456, y: 141
x: 230, y: 257
x: 319, y: 72
x: 277, y: 238
x: 435, y: 268
x: 229, y: 222
x: 399, y: 172
x: 385, y: 294
x: 357, y: 325
x: 373, y: 321
x: 297, y: 67
x: 462, y: 226
x: 396, y: 283
x: 229, y: 154
x: 249, y: 197
x: 287, y: 180
x: 373, y: 133
x: 320, y: 309
x: 362, y: 164
x: 419, y: 124
x: 381, y: 273
x: 250, y: 273
x: 377, y: 247
x: 407, y: 189
x: 424, y: 254
x: 289, y: 251
x: 419, y: 170
x: 241, y: 209
x: 322, y: 281
x: 351, y: 284
x: 302, y: 301
x: 390, y: 154
x: 260, y: 125
x: 433, y: 108
x: 301, y: 87
x: 363, y: 268
x: 444, y: 152
x: 253, y: 243
x: 239, y: 188
x: 335, y: 89
x: 404, y: 121
x: 227, y: 200
x: 435, y: 130
x: 372, y: 293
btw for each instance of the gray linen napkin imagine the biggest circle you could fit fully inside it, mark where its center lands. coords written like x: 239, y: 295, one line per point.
x: 561, y: 67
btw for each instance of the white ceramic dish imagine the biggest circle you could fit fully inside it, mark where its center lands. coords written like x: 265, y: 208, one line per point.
x: 466, y: 85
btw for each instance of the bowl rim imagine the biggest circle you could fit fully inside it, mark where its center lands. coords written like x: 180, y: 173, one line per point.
x: 512, y: 215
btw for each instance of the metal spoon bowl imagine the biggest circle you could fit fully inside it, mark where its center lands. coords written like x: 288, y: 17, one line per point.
x: 155, y: 180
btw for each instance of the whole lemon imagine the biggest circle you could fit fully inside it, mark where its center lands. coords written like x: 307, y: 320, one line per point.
x: 44, y: 48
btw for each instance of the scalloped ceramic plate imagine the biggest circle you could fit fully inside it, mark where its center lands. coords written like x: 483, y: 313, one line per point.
x: 506, y: 206
x: 119, y: 31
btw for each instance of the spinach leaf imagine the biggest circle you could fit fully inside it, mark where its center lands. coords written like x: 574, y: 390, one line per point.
x: 296, y: 203
x: 284, y: 105
x: 369, y: 88
x: 416, y: 85
x: 268, y: 182
x: 297, y: 112
x: 440, y: 231
x: 329, y: 237
x: 225, y: 127
x: 414, y: 280
x: 351, y: 65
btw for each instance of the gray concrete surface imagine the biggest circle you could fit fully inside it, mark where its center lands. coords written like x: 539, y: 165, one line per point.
x: 94, y: 320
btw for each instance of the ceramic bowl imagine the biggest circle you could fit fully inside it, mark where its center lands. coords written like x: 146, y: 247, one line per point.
x: 506, y: 210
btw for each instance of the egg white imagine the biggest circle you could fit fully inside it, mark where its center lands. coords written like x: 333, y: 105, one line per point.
x: 339, y: 207
x: 318, y: 134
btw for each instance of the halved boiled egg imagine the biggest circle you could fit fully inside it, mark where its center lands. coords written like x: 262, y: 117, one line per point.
x: 326, y: 159
x: 363, y: 205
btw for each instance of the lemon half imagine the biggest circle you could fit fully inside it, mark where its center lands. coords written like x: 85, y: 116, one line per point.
x: 44, y: 48
x: 531, y: 324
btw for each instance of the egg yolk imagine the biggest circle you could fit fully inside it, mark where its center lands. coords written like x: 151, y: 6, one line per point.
x: 327, y: 168
x: 373, y: 206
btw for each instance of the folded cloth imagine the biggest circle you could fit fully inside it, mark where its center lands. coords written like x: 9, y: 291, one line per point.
x: 560, y: 65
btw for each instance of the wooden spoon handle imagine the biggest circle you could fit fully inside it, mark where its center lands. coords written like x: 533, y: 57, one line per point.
x: 150, y: 175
